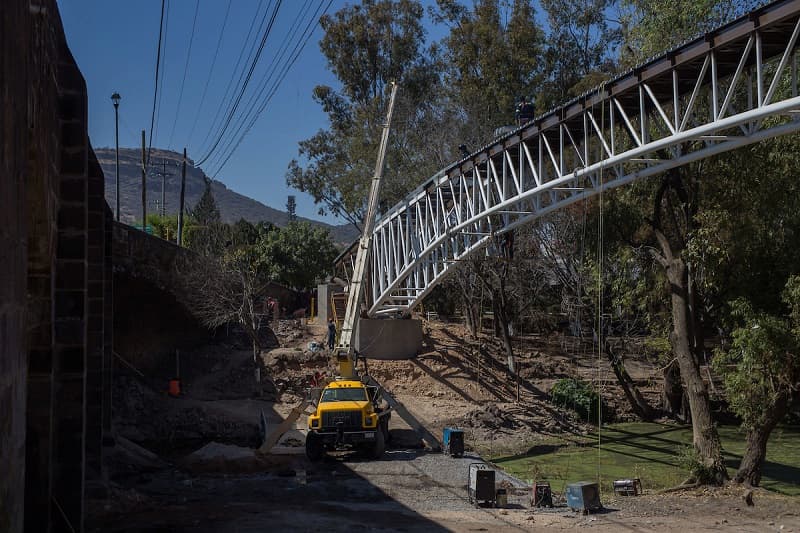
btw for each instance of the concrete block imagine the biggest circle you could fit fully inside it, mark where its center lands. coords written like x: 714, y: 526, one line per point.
x: 391, y: 339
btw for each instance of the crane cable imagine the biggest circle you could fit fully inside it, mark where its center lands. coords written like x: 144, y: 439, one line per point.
x: 600, y: 303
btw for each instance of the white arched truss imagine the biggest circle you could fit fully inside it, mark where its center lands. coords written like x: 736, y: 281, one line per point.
x: 730, y: 88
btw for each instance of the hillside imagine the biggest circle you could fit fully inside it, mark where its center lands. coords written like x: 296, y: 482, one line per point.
x: 232, y: 205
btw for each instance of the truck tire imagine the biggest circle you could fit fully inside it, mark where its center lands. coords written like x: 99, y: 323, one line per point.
x: 379, y: 446
x: 314, y: 447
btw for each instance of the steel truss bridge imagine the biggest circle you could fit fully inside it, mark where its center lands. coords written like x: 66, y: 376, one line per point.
x: 732, y: 87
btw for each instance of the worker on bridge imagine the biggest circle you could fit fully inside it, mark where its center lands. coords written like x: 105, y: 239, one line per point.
x: 525, y: 111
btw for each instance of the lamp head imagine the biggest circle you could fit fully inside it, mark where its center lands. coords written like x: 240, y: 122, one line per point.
x: 116, y: 98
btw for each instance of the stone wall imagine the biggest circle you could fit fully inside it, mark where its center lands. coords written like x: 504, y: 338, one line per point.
x: 147, y: 298
x: 14, y: 23
x: 55, y: 286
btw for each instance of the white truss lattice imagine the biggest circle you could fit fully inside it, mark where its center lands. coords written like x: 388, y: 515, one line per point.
x: 734, y: 87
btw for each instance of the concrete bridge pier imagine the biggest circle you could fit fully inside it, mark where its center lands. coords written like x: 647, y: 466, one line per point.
x: 388, y: 339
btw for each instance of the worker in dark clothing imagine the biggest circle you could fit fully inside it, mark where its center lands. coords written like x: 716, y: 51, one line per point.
x: 518, y: 109
x: 462, y: 148
x: 331, y: 334
x: 524, y: 111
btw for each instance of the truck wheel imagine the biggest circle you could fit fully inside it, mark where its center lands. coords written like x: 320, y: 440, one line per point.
x: 379, y: 445
x: 314, y: 448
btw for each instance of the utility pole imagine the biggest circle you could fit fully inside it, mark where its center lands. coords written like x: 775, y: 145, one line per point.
x: 144, y: 186
x: 180, y: 207
x: 115, y: 98
x: 164, y: 175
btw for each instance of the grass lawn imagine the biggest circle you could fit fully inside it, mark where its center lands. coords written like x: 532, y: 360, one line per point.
x: 650, y: 452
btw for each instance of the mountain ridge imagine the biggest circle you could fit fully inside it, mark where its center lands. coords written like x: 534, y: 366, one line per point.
x: 232, y: 205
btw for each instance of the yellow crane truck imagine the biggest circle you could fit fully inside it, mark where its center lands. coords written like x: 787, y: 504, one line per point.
x: 347, y: 416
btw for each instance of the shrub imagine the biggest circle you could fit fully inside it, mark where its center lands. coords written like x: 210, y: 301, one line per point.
x: 581, y: 397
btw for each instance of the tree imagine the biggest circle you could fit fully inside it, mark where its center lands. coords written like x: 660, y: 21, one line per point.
x: 165, y: 226
x: 761, y: 372
x: 224, y: 289
x: 492, y: 56
x: 243, y: 233
x: 204, y: 232
x: 580, y: 48
x: 291, y: 208
x: 650, y: 27
x: 367, y: 47
x: 297, y: 255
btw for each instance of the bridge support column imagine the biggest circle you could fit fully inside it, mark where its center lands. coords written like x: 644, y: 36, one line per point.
x: 388, y: 339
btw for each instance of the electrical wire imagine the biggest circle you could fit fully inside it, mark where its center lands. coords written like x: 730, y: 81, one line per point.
x: 210, y: 72
x: 275, y: 66
x: 163, y: 75
x: 293, y: 56
x: 155, y: 91
x: 244, y: 86
x: 185, y: 70
x: 247, y: 110
x: 236, y: 75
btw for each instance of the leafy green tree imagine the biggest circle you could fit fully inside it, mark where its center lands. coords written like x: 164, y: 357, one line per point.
x: 761, y: 373
x: 204, y: 231
x: 579, y: 50
x: 492, y: 56
x: 667, y: 227
x: 297, y: 255
x: 206, y: 212
x: 368, y: 46
x: 243, y: 233
x: 291, y: 208
x: 650, y: 27
x: 165, y: 227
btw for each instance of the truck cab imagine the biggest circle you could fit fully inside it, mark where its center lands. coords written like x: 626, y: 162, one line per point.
x: 347, y: 416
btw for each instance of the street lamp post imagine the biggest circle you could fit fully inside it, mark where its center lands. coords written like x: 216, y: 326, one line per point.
x: 116, y: 98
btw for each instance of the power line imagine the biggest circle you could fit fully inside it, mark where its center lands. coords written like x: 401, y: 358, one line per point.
x: 246, y: 82
x: 210, y: 72
x: 268, y: 74
x: 250, y: 117
x: 233, y: 76
x: 163, y: 74
x: 185, y: 70
x: 155, y: 92
x: 298, y: 49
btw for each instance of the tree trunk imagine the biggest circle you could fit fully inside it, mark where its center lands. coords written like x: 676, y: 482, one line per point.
x: 501, y: 320
x: 635, y: 398
x: 470, y: 317
x: 755, y: 453
x: 704, y: 433
x: 673, y: 390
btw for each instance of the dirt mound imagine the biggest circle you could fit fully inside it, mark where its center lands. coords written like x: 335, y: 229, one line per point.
x: 490, y: 417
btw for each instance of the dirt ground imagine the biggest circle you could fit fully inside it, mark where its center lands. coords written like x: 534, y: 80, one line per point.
x: 189, y: 464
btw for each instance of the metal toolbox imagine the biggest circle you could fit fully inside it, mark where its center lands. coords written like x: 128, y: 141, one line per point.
x: 453, y: 441
x: 481, y: 488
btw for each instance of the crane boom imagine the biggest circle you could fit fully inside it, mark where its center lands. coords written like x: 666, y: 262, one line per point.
x: 345, y: 351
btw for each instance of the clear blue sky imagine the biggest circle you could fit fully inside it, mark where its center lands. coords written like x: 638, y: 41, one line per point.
x: 115, y: 44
